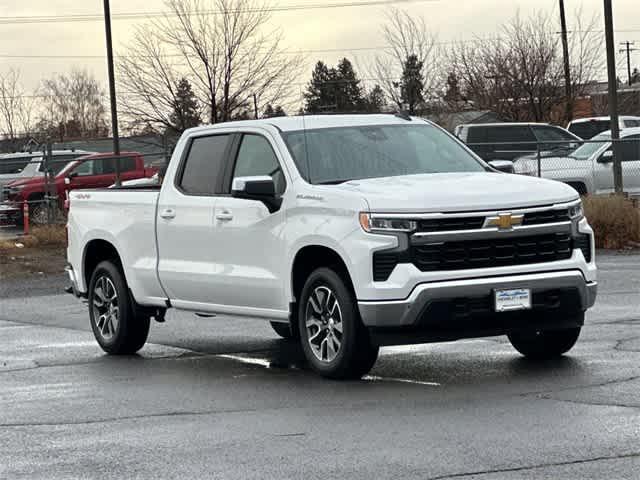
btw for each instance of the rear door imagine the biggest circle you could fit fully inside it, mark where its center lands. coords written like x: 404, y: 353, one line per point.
x: 185, y: 223
x: 552, y: 138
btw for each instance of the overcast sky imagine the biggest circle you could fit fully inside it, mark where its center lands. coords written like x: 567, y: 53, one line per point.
x: 339, y: 28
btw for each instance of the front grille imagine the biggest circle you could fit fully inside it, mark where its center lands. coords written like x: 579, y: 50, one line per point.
x: 450, y: 224
x: 583, y: 242
x: 546, y: 216
x: 502, y: 252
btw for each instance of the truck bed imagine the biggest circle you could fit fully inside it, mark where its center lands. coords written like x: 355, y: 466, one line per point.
x: 125, y: 217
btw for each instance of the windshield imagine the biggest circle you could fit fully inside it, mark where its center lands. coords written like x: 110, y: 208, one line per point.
x: 587, y: 149
x: 335, y: 155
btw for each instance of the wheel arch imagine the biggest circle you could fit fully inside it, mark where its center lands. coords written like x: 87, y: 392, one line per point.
x: 96, y: 251
x: 310, y: 257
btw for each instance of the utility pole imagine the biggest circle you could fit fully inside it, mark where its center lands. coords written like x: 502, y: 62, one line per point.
x: 112, y: 90
x: 628, y: 49
x: 567, y: 68
x: 613, y: 96
x: 255, y: 105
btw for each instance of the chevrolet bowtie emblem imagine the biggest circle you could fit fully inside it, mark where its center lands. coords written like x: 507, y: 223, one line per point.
x: 504, y: 221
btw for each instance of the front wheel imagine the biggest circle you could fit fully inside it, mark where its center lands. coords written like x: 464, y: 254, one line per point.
x: 335, y: 342
x: 546, y: 344
x: 114, y: 322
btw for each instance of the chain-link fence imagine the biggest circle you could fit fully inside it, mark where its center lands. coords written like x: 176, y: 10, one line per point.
x: 586, y: 165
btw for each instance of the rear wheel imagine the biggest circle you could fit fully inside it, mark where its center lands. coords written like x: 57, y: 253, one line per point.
x: 114, y: 322
x: 335, y: 342
x: 546, y: 344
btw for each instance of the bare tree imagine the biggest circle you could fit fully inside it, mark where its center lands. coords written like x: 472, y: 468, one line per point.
x: 220, y: 46
x: 16, y: 107
x: 407, y: 36
x: 520, y: 74
x: 74, y: 105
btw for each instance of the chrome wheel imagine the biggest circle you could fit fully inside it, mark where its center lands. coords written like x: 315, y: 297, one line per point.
x: 105, y: 307
x: 323, y: 320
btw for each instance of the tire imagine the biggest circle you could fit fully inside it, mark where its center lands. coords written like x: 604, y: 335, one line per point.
x: 284, y: 330
x: 546, y: 344
x: 122, y: 334
x: 334, y: 340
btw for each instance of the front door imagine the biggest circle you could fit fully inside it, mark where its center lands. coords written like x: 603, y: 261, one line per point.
x: 249, y: 254
x: 187, y: 250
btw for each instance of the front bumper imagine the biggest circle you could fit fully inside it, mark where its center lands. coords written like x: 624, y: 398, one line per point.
x: 578, y: 295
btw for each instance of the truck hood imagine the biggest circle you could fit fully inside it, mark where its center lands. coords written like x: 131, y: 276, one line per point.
x: 451, y: 192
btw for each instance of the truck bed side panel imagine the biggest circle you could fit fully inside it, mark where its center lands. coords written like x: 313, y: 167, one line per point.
x: 126, y: 219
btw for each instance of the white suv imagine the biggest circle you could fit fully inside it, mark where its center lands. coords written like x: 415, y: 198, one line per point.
x: 587, y: 128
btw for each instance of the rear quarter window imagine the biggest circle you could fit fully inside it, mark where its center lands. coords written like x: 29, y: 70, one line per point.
x: 203, y: 167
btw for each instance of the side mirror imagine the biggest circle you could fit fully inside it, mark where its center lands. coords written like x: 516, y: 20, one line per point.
x: 261, y: 188
x: 504, y: 166
x: 606, y: 157
x: 67, y: 181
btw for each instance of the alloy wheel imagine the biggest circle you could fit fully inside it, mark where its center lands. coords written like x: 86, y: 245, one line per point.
x: 105, y: 307
x: 323, y: 320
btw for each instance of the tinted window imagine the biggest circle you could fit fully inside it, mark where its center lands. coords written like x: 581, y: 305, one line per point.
x: 631, y: 148
x: 334, y: 155
x: 552, y: 134
x: 477, y: 135
x: 631, y: 123
x: 589, y: 129
x: 203, y: 165
x: 256, y: 157
x: 511, y: 133
x: 13, y: 165
x: 107, y: 166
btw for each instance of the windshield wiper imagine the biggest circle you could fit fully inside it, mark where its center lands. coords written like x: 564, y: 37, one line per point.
x: 334, y: 182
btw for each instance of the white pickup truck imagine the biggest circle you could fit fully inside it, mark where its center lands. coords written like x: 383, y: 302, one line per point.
x: 348, y: 232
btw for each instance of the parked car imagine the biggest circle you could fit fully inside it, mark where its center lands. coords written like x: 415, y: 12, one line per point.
x: 90, y: 171
x: 589, y: 169
x: 349, y: 232
x: 508, y: 141
x: 25, y: 165
x: 587, y: 128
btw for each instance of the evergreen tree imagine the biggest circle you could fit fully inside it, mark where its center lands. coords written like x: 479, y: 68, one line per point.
x: 270, y: 112
x: 279, y: 112
x: 186, y: 111
x: 319, y: 90
x: 348, y: 91
x: 375, y: 100
x: 412, y: 84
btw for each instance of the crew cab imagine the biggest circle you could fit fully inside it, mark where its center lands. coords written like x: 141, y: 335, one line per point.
x: 347, y: 232
x: 89, y: 171
x: 589, y: 169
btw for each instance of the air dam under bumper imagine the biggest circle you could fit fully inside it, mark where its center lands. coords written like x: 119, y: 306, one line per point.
x: 569, y: 286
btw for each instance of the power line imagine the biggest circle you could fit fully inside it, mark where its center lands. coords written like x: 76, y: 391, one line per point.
x: 283, y: 52
x: 36, y: 19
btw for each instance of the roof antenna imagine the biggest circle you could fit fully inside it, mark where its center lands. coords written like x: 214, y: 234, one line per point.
x: 403, y: 114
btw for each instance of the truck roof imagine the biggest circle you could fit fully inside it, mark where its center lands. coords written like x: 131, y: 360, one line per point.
x: 40, y: 154
x: 289, y: 124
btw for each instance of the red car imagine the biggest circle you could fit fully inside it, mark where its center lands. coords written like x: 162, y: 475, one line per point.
x: 91, y: 171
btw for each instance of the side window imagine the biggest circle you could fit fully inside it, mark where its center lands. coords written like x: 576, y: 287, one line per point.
x: 256, y: 157
x: 204, y: 165
x: 13, y: 165
x: 631, y: 148
x: 552, y: 134
x: 127, y: 164
x: 84, y: 169
x: 512, y: 133
x: 476, y: 135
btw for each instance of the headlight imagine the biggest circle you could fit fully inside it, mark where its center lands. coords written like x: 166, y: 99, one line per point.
x: 576, y: 212
x: 371, y: 223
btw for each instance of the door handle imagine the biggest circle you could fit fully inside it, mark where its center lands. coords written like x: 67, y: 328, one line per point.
x: 168, y: 213
x: 224, y: 216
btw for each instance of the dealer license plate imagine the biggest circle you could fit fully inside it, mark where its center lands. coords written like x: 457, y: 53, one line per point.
x: 513, y: 299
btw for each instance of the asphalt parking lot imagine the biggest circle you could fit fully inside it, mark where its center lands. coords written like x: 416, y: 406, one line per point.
x: 225, y: 398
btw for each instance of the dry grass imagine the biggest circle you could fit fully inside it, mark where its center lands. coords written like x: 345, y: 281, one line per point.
x: 44, y: 236
x: 615, y: 220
